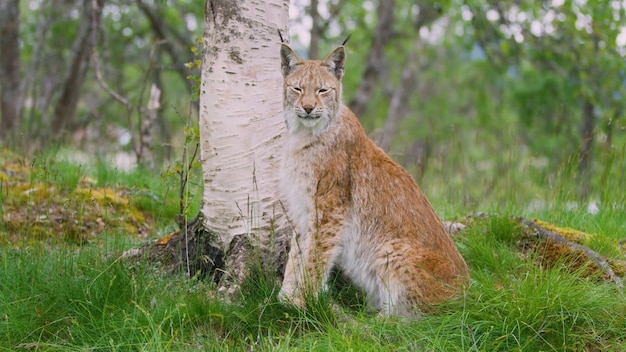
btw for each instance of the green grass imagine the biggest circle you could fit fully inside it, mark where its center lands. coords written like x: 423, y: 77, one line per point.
x: 60, y: 296
x: 76, y: 298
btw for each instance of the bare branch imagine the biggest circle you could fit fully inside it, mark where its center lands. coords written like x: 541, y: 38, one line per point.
x: 161, y: 30
x: 105, y: 86
x: 316, y: 34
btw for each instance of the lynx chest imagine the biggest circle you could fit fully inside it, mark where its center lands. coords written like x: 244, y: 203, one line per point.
x: 299, y: 181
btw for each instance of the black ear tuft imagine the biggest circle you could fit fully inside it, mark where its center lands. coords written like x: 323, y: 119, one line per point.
x: 335, y: 62
x: 344, y: 42
x: 289, y: 59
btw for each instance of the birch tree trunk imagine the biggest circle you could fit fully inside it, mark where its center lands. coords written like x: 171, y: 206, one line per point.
x: 241, y: 125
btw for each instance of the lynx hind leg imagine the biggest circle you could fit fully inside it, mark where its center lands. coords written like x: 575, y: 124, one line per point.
x: 408, y: 288
x: 419, y: 286
x: 391, y: 298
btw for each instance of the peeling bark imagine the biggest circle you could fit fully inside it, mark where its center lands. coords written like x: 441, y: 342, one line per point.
x: 241, y: 124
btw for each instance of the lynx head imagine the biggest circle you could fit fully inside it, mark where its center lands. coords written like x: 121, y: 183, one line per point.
x: 312, y: 89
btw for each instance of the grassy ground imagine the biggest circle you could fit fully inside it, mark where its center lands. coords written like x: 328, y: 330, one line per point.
x: 64, y: 284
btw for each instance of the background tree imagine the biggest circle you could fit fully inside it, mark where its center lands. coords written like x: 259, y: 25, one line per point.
x: 10, y: 89
x: 492, y: 86
x: 139, y: 45
x: 77, y: 70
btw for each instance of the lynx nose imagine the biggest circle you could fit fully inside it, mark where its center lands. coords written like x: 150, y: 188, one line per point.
x: 308, y: 108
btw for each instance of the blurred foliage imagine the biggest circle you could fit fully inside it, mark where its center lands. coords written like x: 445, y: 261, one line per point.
x: 134, y: 52
x: 500, y: 92
x: 496, y: 108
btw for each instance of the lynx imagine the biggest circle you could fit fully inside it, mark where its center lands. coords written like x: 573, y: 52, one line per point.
x: 352, y: 206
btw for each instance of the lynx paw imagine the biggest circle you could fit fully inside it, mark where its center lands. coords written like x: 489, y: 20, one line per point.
x: 291, y: 297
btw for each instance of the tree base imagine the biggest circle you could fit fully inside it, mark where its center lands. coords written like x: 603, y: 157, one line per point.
x: 198, y: 252
x: 194, y: 250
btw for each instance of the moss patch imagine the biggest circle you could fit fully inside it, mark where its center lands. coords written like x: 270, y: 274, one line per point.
x: 35, y: 208
x: 569, y: 233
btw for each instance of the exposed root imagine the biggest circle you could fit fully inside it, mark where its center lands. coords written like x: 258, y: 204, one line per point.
x: 193, y: 250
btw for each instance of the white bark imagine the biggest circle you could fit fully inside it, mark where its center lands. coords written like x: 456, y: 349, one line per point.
x: 241, y: 116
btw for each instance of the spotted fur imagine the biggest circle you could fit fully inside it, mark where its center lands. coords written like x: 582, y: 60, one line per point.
x: 352, y: 206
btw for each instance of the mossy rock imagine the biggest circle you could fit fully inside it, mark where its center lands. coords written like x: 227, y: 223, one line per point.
x: 588, y: 254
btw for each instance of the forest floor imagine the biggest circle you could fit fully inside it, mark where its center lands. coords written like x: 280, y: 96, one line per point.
x: 65, y: 285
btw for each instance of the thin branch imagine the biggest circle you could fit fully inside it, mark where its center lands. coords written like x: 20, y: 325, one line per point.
x: 161, y: 31
x: 66, y: 105
x: 105, y: 86
x: 314, y: 44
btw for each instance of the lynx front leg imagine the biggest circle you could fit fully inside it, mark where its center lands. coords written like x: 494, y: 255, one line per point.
x: 293, y: 283
x: 311, y: 259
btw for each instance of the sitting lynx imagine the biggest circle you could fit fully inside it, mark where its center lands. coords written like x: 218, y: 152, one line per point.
x: 353, y: 207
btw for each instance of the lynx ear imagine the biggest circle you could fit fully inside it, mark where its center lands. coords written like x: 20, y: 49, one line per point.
x: 335, y: 61
x: 289, y: 59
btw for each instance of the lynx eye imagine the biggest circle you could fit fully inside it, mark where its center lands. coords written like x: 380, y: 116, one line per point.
x: 297, y: 89
x: 322, y: 90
